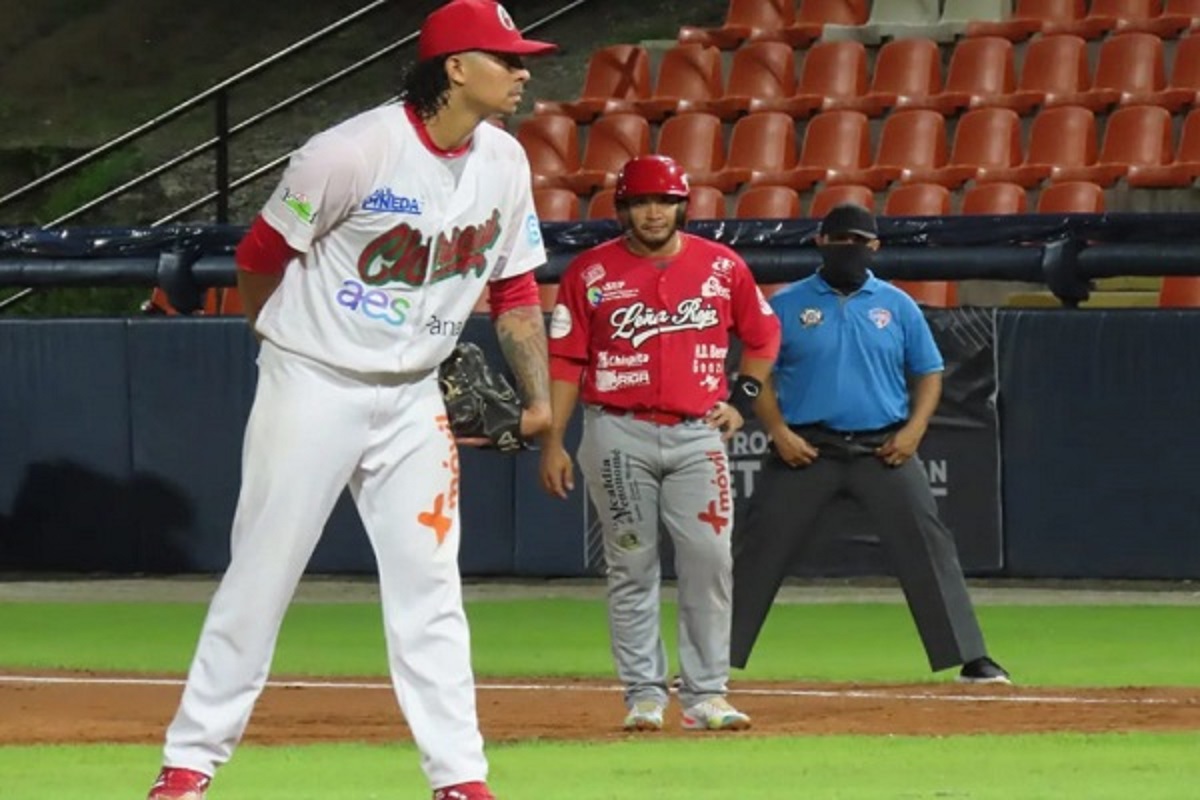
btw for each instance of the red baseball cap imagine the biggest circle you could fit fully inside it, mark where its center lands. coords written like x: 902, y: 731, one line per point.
x: 462, y: 25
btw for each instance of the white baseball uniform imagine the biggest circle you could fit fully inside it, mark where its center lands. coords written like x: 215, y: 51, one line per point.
x: 396, y: 242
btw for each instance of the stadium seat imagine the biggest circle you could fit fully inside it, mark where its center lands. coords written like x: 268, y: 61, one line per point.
x: 984, y: 139
x: 551, y: 143
x: 1058, y: 138
x: 1030, y: 17
x: 834, y: 142
x: 907, y: 72
x: 1183, y: 10
x: 912, y: 140
x: 982, y: 74
x: 752, y: 20
x: 614, y: 73
x: 1056, y: 69
x: 1179, y: 291
x: 767, y: 202
x: 602, y: 205
x: 696, y: 141
x: 1134, y: 137
x: 1184, y: 168
x: 556, y: 204
x: 917, y: 200
x: 1140, y: 15
x: 762, y: 149
x: 612, y: 140
x: 1071, y: 197
x: 817, y: 15
x: 995, y: 198
x: 933, y: 294
x: 958, y: 14
x: 834, y: 75
x: 706, y: 202
x: 1131, y: 65
x: 891, y: 19
x: 231, y: 302
x: 688, y: 74
x: 761, y: 75
x: 828, y: 197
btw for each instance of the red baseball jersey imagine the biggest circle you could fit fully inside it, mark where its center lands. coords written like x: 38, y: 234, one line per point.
x: 654, y: 332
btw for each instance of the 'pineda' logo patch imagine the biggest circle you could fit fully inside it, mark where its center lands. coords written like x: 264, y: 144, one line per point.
x: 388, y: 202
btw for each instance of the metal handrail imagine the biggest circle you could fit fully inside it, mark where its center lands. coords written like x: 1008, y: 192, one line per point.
x: 188, y: 105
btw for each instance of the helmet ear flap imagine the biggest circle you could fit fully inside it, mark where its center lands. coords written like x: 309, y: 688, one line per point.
x: 681, y: 214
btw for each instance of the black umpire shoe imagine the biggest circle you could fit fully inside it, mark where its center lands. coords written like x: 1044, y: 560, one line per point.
x: 983, y: 670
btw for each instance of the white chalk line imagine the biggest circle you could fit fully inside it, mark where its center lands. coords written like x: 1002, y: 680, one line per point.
x: 487, y: 686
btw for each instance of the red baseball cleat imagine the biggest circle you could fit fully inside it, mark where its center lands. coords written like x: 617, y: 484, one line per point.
x: 176, y: 783
x: 475, y: 790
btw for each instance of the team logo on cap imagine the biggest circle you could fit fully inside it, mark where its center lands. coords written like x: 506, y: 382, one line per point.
x: 505, y: 19
x: 880, y: 316
x: 811, y: 317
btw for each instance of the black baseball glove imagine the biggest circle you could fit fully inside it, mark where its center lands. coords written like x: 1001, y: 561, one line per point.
x: 480, y: 402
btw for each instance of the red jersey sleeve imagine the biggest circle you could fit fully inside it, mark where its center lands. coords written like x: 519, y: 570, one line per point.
x: 570, y: 322
x: 753, y: 320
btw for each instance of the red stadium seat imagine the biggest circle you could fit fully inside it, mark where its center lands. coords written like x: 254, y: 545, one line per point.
x: 752, y: 20
x: 612, y: 140
x: 689, y: 74
x: 907, y: 73
x: 912, y: 141
x: 1131, y: 65
x: 1034, y: 16
x: 834, y: 75
x: 1134, y: 137
x: 1184, y: 168
x: 1059, y: 138
x: 762, y: 148
x: 551, y: 143
x: 994, y: 199
x: 556, y: 205
x: 1137, y: 15
x: 1071, y: 197
x: 696, y: 142
x: 985, y: 138
x: 917, y: 200
x: 706, y: 202
x: 831, y: 196
x: 602, y: 205
x: 768, y: 202
x: 933, y: 294
x: 982, y: 74
x: 1179, y: 291
x: 760, y: 75
x: 618, y: 72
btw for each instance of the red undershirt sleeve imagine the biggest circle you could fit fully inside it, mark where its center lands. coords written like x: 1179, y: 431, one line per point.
x: 509, y: 293
x: 263, y: 249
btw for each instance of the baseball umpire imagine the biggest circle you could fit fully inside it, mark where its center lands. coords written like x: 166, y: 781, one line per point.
x: 843, y: 420
x: 640, y: 335
x: 357, y: 277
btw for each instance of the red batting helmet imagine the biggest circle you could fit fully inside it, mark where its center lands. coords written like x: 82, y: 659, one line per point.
x: 646, y: 175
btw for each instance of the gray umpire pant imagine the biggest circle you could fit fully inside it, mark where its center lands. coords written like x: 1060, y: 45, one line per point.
x: 781, y: 521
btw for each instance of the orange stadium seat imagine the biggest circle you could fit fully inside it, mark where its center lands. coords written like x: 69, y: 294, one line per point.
x: 1134, y: 137
x: 696, y: 141
x: 1033, y: 16
x: 761, y: 75
x: 835, y: 142
x: 830, y: 196
x: 1179, y: 291
x: 556, y: 205
x: 1183, y: 10
x: 602, y: 205
x: 752, y: 20
x: 618, y: 72
x: 762, y: 148
x: 933, y: 294
x: 833, y: 12
x: 985, y: 138
x: 995, y: 198
x: 767, y: 202
x: 1056, y: 69
x: 688, y: 74
x: 612, y: 140
x: 1071, y: 197
x: 833, y: 75
x: 1184, y: 168
x: 1140, y: 15
x: 917, y: 200
x: 1130, y: 65
x: 911, y: 141
x: 1059, y: 138
x: 982, y: 74
x: 231, y: 302
x: 551, y: 143
x: 907, y: 72
x: 1185, y: 70
x: 706, y: 202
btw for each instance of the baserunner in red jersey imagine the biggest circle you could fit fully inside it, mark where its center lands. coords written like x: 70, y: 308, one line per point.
x: 640, y: 335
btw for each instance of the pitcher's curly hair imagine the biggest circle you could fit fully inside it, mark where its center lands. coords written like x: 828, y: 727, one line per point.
x: 426, y: 86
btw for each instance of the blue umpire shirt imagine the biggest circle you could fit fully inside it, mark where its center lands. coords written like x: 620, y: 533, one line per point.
x: 844, y: 361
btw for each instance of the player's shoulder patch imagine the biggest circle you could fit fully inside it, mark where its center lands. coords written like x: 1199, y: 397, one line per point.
x: 560, y: 322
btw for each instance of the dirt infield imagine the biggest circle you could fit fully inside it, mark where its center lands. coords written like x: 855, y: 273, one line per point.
x: 65, y: 708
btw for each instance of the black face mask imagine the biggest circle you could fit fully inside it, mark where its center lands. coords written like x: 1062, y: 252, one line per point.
x: 845, y: 265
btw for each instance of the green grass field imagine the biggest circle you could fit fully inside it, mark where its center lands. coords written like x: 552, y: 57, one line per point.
x: 1060, y: 645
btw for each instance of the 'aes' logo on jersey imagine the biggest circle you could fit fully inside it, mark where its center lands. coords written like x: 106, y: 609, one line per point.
x: 402, y: 254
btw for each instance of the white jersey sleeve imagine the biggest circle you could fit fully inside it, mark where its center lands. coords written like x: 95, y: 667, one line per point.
x: 522, y: 249
x: 324, y: 181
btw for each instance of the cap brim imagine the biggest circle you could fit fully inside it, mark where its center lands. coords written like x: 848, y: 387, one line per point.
x: 526, y: 47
